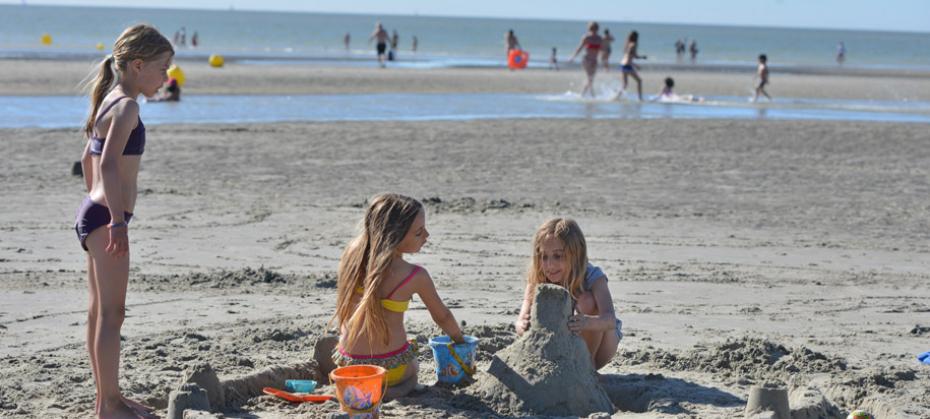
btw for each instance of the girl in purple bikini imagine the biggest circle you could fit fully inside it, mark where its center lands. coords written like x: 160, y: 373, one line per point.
x: 116, y: 140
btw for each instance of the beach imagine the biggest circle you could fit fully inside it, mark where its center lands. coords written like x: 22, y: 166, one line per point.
x: 737, y: 252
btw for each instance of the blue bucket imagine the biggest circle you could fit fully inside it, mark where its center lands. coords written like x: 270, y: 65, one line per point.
x: 454, y: 361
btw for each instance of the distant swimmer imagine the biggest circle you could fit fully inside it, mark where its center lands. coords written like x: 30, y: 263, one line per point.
x: 416, y: 42
x: 381, y: 37
x: 628, y: 67
x: 668, y: 94
x: 347, y: 40
x: 762, y: 73
x: 605, y: 49
x: 591, y: 43
x: 679, y: 50
x: 840, y: 53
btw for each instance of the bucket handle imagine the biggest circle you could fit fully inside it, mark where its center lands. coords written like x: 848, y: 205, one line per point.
x: 468, y: 370
x: 371, y: 409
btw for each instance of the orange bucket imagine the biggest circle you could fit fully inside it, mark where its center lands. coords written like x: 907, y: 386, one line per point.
x: 360, y: 389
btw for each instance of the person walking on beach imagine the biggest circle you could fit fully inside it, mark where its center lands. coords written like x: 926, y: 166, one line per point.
x: 116, y: 140
x: 679, y: 50
x: 762, y: 74
x: 591, y: 43
x: 414, y: 43
x: 840, y: 53
x: 511, y: 42
x: 694, y: 51
x: 346, y: 40
x: 554, y: 60
x: 380, y: 36
x: 395, y: 41
x: 605, y: 49
x: 628, y: 67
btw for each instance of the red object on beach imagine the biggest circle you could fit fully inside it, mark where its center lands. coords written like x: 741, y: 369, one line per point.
x: 517, y: 59
x: 297, y: 398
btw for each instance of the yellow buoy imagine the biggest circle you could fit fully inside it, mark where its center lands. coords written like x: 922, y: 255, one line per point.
x: 100, y: 46
x: 175, y: 72
x: 46, y: 39
x: 216, y: 61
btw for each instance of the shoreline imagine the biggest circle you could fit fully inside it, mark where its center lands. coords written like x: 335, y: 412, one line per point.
x: 62, y: 77
x: 428, y: 62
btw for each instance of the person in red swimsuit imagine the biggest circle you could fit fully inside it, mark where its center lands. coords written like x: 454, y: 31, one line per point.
x: 591, y: 43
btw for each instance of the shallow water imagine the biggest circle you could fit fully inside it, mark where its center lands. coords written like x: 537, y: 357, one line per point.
x: 70, y: 111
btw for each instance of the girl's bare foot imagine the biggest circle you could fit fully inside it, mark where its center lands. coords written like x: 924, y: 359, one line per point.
x: 117, y: 410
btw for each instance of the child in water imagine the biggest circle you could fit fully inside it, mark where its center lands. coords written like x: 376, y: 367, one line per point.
x: 560, y: 257
x: 375, y: 285
x: 762, y: 73
x: 668, y: 95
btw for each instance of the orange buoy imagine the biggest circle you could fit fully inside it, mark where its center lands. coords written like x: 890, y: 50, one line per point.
x: 517, y: 59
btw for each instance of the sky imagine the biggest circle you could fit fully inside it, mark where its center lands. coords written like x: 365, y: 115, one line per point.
x: 889, y: 15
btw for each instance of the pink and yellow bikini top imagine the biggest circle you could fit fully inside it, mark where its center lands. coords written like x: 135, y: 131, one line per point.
x: 394, y: 305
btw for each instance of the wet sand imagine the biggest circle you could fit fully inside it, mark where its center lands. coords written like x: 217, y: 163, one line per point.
x: 40, y: 77
x: 738, y: 252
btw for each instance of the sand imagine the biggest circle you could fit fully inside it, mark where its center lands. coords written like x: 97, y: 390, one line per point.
x: 737, y: 252
x: 33, y: 77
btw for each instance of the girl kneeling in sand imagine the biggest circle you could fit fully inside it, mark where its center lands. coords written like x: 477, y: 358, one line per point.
x: 560, y: 257
x: 375, y: 286
x: 115, y: 142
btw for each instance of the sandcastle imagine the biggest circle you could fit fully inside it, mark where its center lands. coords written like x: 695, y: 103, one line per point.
x: 547, y: 371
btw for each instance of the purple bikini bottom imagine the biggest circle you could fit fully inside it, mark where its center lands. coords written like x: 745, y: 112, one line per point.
x: 90, y: 216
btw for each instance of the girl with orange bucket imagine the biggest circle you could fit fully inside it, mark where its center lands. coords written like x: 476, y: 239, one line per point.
x: 375, y: 285
x: 560, y: 257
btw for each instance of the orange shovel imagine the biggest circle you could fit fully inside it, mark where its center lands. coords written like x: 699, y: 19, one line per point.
x: 297, y: 398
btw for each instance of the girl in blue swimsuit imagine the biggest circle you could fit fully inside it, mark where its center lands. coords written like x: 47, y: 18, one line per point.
x: 628, y: 67
x: 560, y: 257
x: 116, y: 141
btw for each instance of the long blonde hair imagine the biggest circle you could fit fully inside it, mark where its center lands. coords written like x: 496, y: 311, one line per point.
x: 365, y: 263
x: 139, y: 42
x: 566, y: 230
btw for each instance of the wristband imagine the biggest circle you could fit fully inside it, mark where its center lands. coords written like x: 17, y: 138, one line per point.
x: 118, y: 225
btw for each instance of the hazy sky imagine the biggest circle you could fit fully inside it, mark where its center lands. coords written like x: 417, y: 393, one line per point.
x: 896, y: 15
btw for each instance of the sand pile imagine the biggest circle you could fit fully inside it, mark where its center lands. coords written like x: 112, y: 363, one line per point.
x: 745, y: 357
x: 547, y: 370
x: 232, y: 279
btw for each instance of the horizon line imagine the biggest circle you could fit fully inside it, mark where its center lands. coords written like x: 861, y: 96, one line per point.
x: 233, y: 9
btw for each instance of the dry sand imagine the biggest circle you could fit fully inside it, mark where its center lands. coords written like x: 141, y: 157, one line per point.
x: 737, y: 252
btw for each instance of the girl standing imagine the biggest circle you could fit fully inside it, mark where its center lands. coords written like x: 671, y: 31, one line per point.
x: 116, y: 141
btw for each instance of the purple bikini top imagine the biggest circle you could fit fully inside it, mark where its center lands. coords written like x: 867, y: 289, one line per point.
x: 134, y: 146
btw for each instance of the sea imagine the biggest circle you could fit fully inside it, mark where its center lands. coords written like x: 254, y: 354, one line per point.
x: 274, y: 38
x: 259, y: 37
